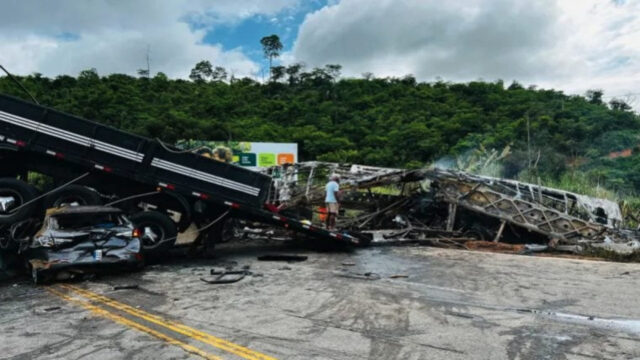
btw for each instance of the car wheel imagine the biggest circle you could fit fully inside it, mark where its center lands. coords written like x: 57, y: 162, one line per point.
x: 158, y: 231
x: 14, y: 194
x: 72, y: 195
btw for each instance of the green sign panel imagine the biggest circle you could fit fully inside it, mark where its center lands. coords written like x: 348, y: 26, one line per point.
x: 266, y: 159
x: 247, y: 159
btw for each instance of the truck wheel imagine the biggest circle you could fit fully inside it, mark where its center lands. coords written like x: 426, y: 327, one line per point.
x: 15, y: 193
x: 230, y: 229
x: 39, y: 277
x: 225, y: 230
x: 72, y: 195
x: 158, y: 231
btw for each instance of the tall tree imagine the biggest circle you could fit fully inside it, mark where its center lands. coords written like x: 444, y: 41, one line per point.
x: 595, y: 96
x: 277, y: 72
x: 219, y: 74
x: 618, y: 104
x: 333, y: 70
x: 201, y: 71
x: 271, y: 46
x: 293, y: 71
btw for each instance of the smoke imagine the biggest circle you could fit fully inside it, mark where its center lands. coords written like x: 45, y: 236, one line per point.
x: 445, y: 163
x: 476, y: 161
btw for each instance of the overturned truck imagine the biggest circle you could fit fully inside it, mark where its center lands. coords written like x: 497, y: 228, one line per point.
x: 451, y: 206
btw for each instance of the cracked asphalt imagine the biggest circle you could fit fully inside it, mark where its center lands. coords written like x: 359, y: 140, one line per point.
x: 415, y: 303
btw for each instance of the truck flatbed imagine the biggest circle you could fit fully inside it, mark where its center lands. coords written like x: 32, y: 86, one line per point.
x: 41, y: 139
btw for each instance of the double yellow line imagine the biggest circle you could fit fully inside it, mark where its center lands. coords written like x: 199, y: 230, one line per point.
x: 173, y: 326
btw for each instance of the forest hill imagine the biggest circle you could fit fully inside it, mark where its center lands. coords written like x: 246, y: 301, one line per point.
x: 562, y: 139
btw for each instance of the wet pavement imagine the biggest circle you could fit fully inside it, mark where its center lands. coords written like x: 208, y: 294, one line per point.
x: 376, y: 303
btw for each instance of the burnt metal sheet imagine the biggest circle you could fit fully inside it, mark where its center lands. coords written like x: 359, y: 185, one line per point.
x: 412, y: 204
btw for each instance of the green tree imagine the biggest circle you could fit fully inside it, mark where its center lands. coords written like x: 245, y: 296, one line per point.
x: 595, y: 96
x: 620, y: 105
x: 271, y: 46
x: 202, y: 71
x: 397, y: 122
x: 219, y: 74
x: 293, y: 73
x: 277, y: 73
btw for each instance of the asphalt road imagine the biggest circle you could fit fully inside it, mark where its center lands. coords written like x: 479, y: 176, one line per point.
x: 452, y: 304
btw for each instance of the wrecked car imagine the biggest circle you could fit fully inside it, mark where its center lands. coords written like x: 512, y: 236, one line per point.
x: 79, y: 240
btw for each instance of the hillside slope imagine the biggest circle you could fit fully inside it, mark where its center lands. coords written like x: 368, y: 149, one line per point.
x: 387, y: 122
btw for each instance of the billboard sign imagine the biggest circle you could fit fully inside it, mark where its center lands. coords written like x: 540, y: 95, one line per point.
x: 249, y: 154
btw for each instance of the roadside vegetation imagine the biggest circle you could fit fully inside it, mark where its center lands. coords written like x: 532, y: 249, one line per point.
x: 533, y: 134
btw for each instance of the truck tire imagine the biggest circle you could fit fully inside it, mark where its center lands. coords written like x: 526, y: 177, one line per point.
x: 39, y: 277
x: 72, y: 195
x: 15, y: 193
x: 156, y: 228
x: 228, y: 230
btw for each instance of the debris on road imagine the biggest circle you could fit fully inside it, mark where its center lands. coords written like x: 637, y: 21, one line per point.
x: 398, y: 276
x: 451, y: 208
x: 360, y: 276
x: 226, y: 276
x: 126, y: 287
x: 282, y: 257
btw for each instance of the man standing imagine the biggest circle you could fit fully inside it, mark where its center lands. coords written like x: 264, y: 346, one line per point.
x: 331, y: 199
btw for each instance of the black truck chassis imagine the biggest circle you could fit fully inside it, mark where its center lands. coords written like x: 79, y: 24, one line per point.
x: 35, y: 138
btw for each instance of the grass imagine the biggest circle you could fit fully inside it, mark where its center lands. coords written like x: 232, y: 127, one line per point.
x: 575, y: 181
x: 609, y: 255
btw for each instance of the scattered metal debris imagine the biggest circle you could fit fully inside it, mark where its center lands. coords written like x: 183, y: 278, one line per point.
x: 229, y: 275
x: 361, y: 276
x: 450, y: 208
x: 282, y: 257
x: 126, y: 287
x: 398, y: 276
x: 226, y: 276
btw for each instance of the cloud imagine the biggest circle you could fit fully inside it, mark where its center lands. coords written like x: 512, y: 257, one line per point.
x: 571, y: 45
x: 65, y: 36
x: 568, y: 45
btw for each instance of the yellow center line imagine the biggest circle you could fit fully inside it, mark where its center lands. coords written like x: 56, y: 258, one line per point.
x: 124, y: 321
x: 209, y: 339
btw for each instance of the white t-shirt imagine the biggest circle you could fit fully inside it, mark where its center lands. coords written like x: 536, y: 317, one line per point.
x: 331, y: 188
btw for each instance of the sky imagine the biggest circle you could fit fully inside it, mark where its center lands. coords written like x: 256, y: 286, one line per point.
x: 569, y: 45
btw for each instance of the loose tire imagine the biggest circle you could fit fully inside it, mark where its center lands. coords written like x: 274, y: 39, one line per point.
x: 13, y: 194
x: 478, y: 232
x: 72, y: 195
x: 156, y: 228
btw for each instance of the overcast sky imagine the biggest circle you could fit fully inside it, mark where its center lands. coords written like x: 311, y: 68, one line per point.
x: 571, y: 45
